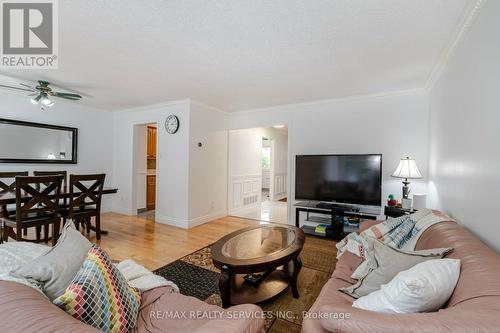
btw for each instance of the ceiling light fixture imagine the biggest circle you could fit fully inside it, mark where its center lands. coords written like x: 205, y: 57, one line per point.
x: 43, y: 99
x: 36, y: 99
x: 279, y: 126
x: 41, y: 92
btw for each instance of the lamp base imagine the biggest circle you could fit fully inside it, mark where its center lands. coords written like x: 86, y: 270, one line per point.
x: 406, y: 189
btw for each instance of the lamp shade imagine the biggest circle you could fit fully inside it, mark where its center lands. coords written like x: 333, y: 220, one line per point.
x: 407, y: 168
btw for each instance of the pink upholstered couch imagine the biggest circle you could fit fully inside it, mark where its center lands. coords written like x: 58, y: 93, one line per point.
x: 474, y: 306
x: 23, y: 309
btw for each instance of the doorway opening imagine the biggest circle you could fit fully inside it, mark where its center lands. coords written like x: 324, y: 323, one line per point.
x: 258, y: 173
x: 266, y: 168
x: 145, y: 161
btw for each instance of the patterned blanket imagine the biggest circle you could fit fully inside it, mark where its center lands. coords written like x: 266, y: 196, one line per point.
x: 15, y: 254
x: 401, y: 232
x: 141, y: 278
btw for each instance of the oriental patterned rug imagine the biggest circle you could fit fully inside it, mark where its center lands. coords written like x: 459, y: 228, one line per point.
x: 196, y: 276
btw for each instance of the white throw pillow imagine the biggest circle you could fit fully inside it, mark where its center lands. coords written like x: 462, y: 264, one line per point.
x: 423, y: 288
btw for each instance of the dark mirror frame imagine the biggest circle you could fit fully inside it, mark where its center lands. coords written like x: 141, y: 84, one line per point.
x: 73, y: 130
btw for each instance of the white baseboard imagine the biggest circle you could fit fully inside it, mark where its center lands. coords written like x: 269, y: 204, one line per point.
x: 243, y: 210
x: 120, y: 210
x: 173, y: 221
x: 280, y: 196
x: 206, y: 218
x: 189, y: 223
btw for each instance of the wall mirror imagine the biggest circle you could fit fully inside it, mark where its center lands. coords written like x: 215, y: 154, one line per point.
x: 27, y: 142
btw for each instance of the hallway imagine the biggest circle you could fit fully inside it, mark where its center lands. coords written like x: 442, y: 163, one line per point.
x: 269, y: 211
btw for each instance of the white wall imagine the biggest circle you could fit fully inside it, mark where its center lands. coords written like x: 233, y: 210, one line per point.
x: 140, y: 163
x: 191, y: 183
x: 95, y: 127
x: 172, y: 166
x: 394, y: 125
x: 207, y: 164
x: 245, y: 171
x: 465, y: 130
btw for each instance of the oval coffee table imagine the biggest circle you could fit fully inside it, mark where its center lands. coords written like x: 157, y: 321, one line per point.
x: 258, y: 262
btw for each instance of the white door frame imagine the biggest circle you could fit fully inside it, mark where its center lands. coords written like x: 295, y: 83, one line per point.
x: 271, y: 168
x: 139, y: 173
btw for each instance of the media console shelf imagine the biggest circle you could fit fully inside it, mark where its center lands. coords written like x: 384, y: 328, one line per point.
x: 331, y: 214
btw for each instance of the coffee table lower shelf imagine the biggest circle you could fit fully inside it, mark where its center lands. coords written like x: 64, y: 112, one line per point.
x: 243, y: 292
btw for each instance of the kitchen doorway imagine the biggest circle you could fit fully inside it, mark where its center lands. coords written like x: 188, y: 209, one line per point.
x: 145, y: 161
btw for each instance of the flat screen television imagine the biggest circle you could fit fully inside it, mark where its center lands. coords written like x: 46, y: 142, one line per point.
x: 354, y: 179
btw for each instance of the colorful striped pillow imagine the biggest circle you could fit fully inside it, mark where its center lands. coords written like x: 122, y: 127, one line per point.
x: 100, y: 296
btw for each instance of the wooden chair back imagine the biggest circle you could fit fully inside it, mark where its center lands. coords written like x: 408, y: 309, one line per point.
x: 54, y: 173
x: 8, y: 180
x: 37, y: 195
x: 85, y: 191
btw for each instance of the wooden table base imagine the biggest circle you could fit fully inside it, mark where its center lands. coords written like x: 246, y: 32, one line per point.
x: 235, y: 290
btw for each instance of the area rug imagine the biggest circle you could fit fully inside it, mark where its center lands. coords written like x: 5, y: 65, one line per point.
x: 196, y: 276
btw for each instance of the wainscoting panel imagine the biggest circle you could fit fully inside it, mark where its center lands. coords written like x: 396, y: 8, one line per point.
x: 279, y: 186
x: 266, y: 178
x: 237, y: 194
x: 246, y: 191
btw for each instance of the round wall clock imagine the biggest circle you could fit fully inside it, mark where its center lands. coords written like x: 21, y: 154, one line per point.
x: 172, y: 124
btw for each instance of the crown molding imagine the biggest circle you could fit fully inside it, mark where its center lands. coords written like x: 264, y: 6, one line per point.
x: 332, y: 100
x: 186, y: 101
x: 469, y: 15
x: 206, y: 106
x: 154, y: 106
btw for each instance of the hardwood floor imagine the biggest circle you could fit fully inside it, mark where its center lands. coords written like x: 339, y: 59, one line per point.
x: 154, y: 245
x: 268, y: 210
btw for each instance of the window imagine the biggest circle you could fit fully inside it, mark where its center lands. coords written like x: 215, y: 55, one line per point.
x: 266, y: 157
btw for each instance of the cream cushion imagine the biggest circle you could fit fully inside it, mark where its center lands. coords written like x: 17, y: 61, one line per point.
x: 423, y: 288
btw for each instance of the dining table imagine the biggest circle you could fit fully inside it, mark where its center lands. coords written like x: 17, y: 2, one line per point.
x: 9, y: 198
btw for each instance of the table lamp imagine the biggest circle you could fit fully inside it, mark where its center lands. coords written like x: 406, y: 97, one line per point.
x: 407, y: 169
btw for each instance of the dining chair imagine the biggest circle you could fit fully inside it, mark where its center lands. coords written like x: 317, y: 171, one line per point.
x: 8, y: 184
x: 85, y: 193
x: 64, y: 201
x: 64, y: 173
x: 37, y: 204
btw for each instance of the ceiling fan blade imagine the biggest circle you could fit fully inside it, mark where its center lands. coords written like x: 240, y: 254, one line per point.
x: 16, y: 88
x: 29, y: 87
x: 66, y: 95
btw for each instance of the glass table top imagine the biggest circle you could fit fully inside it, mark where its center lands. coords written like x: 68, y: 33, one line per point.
x: 259, y: 242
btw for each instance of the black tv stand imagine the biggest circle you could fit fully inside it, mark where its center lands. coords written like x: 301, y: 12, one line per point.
x: 336, y: 212
x: 331, y: 205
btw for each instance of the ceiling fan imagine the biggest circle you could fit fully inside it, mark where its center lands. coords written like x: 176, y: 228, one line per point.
x: 41, y: 93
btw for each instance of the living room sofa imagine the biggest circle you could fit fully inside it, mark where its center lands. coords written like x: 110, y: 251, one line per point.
x: 473, y: 307
x: 23, y: 309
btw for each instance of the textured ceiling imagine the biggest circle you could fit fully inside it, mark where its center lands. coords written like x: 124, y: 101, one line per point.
x: 241, y: 54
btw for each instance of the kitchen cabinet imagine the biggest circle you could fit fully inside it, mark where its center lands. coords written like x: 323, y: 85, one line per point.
x: 152, y: 136
x: 151, y: 192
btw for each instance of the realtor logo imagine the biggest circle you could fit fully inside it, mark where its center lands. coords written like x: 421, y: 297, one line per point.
x: 29, y: 34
